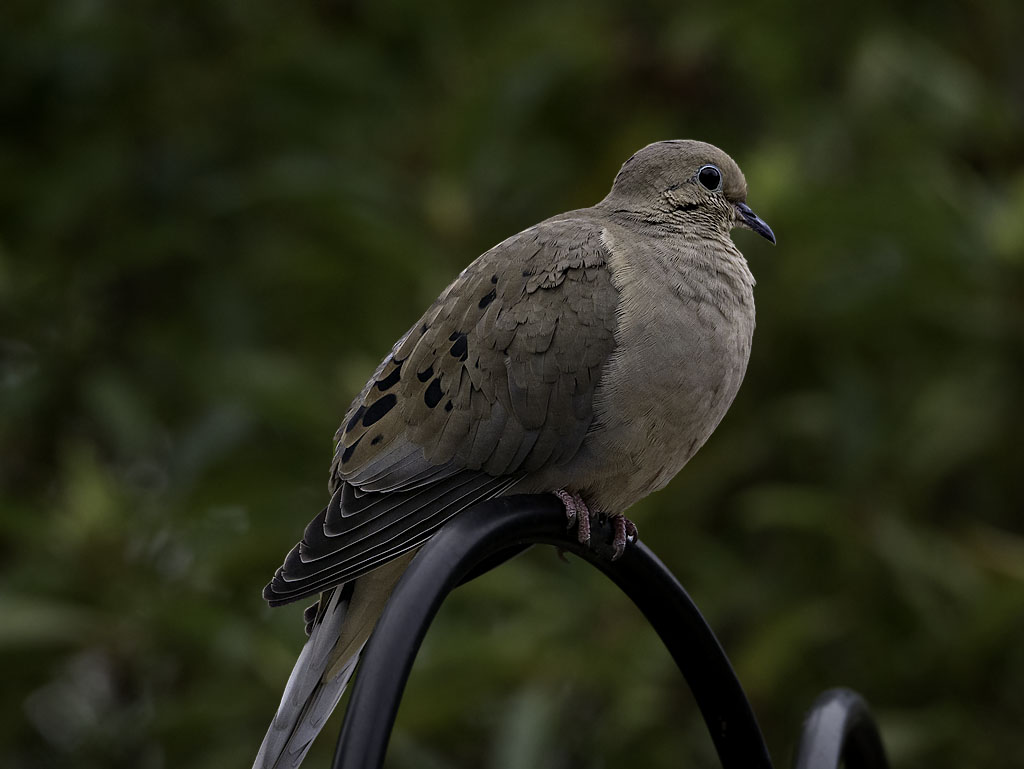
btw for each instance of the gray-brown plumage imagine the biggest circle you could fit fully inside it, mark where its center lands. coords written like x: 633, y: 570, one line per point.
x: 593, y: 353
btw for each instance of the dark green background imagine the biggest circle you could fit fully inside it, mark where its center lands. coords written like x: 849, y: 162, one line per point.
x: 215, y: 219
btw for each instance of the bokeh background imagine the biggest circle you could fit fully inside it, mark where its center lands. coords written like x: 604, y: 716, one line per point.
x: 215, y: 219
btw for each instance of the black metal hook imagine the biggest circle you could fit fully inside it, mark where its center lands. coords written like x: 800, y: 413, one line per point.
x: 485, y: 535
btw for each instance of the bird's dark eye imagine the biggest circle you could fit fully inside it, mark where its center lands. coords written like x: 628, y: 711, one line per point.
x: 710, y: 177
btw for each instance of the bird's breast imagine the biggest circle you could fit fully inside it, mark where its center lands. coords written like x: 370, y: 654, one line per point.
x: 682, y: 347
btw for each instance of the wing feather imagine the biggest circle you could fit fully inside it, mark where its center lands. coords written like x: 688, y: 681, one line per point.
x: 496, y: 380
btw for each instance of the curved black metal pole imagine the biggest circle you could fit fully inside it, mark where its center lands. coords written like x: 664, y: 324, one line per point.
x: 486, y: 533
x: 839, y: 731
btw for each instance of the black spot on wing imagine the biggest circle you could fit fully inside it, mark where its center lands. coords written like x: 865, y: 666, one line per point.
x: 355, y: 419
x: 377, y: 439
x: 460, y: 349
x: 347, y: 454
x: 449, y: 406
x: 486, y: 300
x: 434, y: 393
x: 391, y: 379
x: 494, y: 279
x: 423, y: 376
x: 379, y: 408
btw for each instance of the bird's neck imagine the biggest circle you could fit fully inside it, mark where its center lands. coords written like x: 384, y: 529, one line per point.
x: 690, y: 243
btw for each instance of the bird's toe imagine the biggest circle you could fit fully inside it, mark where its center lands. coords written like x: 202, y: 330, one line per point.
x: 624, y: 532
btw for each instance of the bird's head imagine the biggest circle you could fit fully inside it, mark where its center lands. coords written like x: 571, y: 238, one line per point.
x: 685, y: 182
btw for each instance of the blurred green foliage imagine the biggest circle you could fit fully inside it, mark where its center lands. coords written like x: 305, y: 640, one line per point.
x: 215, y: 218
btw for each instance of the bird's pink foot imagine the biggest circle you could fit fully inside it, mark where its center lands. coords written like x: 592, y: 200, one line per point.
x: 576, y: 513
x: 625, y: 532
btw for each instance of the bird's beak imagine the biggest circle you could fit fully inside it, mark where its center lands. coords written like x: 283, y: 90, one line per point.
x: 747, y: 218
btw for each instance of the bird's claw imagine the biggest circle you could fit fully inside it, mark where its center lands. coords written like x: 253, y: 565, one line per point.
x: 576, y: 514
x: 625, y: 532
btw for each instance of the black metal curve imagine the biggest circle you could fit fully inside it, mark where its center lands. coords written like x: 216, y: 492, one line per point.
x: 839, y: 730
x: 484, y: 534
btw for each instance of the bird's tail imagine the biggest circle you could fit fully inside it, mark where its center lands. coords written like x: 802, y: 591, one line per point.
x: 346, y: 617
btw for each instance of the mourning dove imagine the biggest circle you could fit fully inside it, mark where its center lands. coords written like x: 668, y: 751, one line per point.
x: 590, y: 355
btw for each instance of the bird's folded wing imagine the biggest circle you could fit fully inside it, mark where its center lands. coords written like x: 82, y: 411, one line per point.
x: 495, y: 381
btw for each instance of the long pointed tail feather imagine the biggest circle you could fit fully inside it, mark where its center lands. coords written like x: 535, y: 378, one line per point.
x: 347, y: 616
x: 308, y: 699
